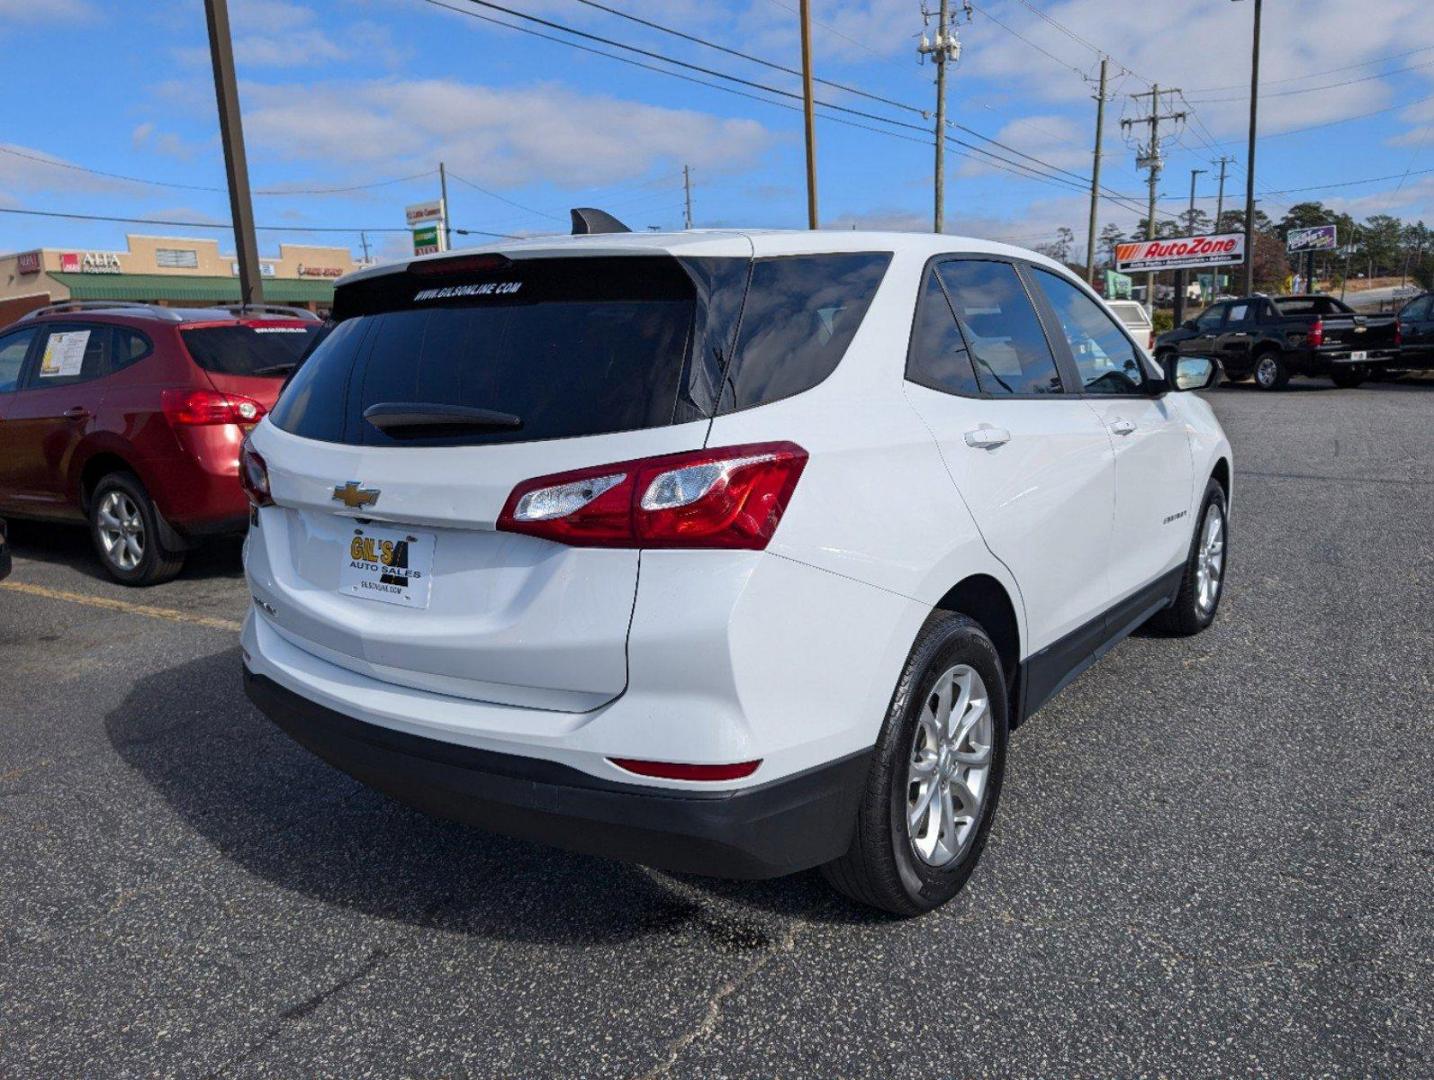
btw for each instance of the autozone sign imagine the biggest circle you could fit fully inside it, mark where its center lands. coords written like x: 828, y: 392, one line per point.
x: 1184, y: 251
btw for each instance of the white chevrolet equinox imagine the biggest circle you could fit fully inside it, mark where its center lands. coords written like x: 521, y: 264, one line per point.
x: 733, y: 553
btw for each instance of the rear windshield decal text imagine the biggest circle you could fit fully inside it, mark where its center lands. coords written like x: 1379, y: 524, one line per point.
x: 487, y: 288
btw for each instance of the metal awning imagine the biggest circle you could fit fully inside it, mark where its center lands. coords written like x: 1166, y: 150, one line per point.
x: 182, y: 287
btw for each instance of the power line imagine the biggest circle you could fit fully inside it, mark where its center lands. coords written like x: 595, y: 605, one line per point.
x: 1080, y: 182
x: 1316, y: 74
x: 1017, y: 34
x: 504, y: 198
x: 222, y: 225
x: 1321, y: 86
x: 58, y: 164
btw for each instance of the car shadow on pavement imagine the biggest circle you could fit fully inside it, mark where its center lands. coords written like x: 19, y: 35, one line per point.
x: 269, y: 806
x: 70, y: 546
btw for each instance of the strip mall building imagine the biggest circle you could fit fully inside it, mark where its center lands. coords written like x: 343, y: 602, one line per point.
x: 172, y: 271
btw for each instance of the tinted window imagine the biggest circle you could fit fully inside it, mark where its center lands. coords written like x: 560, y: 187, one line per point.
x: 801, y: 313
x: 239, y: 349
x: 1210, y: 319
x: 1007, y: 345
x: 127, y: 347
x: 68, y: 355
x: 938, y: 356
x: 1311, y: 305
x: 570, y: 346
x: 1103, y: 354
x: 315, y: 403
x: 13, y: 348
x: 1418, y: 310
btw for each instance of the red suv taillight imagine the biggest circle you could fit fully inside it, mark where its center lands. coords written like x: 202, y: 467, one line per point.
x: 198, y: 407
x: 732, y: 497
x: 1316, y: 337
x: 254, y: 476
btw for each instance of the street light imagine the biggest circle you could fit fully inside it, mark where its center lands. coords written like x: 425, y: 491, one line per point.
x: 1250, y: 157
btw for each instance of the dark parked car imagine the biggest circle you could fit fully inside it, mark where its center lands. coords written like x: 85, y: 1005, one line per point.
x: 1416, y: 323
x: 130, y: 417
x: 1272, y: 338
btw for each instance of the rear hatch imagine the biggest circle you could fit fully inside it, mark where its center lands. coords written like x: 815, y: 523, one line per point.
x: 381, y: 554
x: 1350, y: 333
x: 249, y: 358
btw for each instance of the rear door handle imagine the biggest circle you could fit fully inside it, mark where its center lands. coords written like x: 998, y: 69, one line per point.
x: 1122, y: 427
x: 987, y: 438
x: 77, y: 412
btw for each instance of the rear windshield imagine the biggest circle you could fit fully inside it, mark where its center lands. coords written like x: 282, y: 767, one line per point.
x: 1310, y: 305
x: 572, y: 347
x: 240, y: 349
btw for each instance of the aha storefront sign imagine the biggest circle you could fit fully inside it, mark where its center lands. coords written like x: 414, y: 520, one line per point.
x: 89, y: 262
x: 1144, y: 256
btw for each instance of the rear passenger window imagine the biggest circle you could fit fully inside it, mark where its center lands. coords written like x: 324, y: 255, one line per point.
x: 938, y: 358
x: 68, y: 355
x: 128, y: 346
x: 1008, y: 347
x: 315, y: 403
x: 801, y: 313
x: 1103, y: 354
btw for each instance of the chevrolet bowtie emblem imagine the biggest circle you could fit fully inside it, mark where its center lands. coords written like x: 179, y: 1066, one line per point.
x: 355, y: 497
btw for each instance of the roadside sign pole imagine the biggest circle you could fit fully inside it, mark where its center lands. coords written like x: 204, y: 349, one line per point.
x: 1250, y: 158
x: 443, y: 199
x: 231, y: 131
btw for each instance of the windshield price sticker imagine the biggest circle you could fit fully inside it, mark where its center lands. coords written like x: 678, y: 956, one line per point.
x: 64, y: 354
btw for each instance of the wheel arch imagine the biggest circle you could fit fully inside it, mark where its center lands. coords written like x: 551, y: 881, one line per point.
x: 96, y: 467
x: 985, y: 599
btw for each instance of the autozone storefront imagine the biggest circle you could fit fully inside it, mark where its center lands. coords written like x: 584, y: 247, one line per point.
x: 171, y: 271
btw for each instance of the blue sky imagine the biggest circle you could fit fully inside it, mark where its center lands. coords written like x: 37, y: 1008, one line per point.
x: 347, y: 92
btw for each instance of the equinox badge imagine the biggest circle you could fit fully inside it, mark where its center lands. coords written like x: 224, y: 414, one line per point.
x: 355, y: 497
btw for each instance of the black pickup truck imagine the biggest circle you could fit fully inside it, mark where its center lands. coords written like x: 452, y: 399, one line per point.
x: 1274, y: 337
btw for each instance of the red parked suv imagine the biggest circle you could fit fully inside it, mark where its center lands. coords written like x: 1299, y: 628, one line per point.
x: 130, y: 416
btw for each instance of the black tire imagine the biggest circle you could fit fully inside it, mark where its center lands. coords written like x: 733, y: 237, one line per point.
x: 1271, y: 372
x: 1348, y: 377
x: 1188, y: 615
x: 882, y: 868
x: 155, y: 563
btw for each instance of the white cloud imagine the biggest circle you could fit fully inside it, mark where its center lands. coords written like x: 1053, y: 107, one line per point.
x: 24, y: 169
x: 496, y: 136
x: 46, y: 10
x: 1055, y: 140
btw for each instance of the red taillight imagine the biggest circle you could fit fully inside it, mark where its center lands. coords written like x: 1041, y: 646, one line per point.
x: 1151, y: 346
x: 200, y: 407
x: 1316, y: 337
x: 732, y: 497
x: 254, y: 476
x: 674, y: 770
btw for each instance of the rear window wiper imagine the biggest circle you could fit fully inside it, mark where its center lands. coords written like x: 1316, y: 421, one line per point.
x: 421, y: 419
x: 276, y: 369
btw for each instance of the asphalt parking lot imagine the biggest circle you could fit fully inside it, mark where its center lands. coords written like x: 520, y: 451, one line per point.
x: 1213, y: 857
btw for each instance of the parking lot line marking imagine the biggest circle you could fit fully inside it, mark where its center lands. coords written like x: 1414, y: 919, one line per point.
x: 147, y: 610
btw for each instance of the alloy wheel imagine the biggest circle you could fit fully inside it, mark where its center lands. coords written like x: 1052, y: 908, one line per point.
x: 1267, y: 371
x: 121, y: 530
x: 1210, y: 560
x: 950, y: 767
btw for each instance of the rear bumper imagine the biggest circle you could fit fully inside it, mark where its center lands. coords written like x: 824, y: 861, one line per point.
x: 781, y: 827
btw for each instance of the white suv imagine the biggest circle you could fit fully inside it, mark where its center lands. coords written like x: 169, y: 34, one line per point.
x: 729, y: 553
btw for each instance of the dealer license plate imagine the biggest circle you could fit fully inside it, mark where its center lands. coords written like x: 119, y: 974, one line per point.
x: 393, y: 566
x: 1359, y: 356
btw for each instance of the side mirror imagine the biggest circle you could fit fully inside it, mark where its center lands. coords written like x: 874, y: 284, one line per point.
x: 1194, y: 373
x: 1188, y: 324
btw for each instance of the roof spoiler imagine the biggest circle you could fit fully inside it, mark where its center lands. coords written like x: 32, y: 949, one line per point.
x: 586, y: 220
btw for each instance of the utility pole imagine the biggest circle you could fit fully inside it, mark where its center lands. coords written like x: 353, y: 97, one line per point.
x: 1220, y: 198
x: 443, y: 205
x: 231, y: 131
x: 1250, y: 157
x: 945, y: 49
x: 1095, y: 175
x: 687, y: 189
x: 1149, y: 158
x: 807, y: 112
x: 363, y: 239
